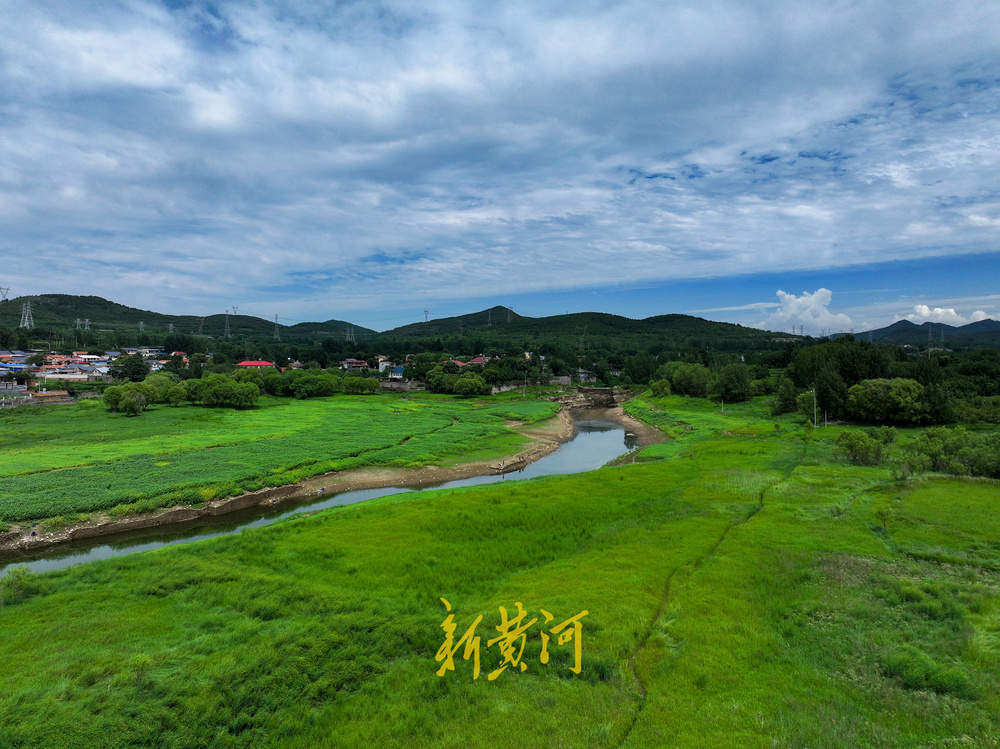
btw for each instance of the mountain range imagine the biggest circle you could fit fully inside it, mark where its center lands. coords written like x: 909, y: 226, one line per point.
x: 66, y: 311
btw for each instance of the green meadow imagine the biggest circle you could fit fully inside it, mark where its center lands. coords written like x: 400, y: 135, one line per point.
x: 743, y: 586
x: 79, y: 459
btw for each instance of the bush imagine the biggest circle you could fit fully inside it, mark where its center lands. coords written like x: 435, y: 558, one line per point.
x: 860, y: 449
x: 917, y: 670
x: 660, y: 388
x: 957, y: 451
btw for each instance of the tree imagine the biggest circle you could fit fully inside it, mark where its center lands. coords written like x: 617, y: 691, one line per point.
x: 471, y: 384
x: 132, y: 368
x: 784, y: 397
x: 691, y: 379
x: 885, y: 401
x: 132, y: 402
x: 734, y: 382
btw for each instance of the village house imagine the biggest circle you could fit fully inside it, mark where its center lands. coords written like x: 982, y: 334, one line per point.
x: 354, y: 365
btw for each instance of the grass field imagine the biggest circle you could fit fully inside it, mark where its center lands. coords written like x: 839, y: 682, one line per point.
x: 78, y: 459
x: 741, y: 588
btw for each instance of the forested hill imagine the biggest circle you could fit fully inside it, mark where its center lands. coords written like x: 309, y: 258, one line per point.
x: 61, y: 311
x: 936, y: 334
x: 582, y: 328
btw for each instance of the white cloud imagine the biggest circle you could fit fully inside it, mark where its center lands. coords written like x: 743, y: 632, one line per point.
x: 978, y: 315
x: 948, y: 315
x: 809, y: 312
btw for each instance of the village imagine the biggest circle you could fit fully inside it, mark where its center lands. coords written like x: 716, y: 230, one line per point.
x: 38, y: 377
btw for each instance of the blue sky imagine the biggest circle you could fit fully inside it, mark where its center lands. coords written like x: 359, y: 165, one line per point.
x: 830, y: 165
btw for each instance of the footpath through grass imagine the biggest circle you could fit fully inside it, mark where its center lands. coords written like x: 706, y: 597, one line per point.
x: 741, y: 592
x: 78, y: 459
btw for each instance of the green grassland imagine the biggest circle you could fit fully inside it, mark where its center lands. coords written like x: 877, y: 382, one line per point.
x: 78, y: 459
x: 741, y: 585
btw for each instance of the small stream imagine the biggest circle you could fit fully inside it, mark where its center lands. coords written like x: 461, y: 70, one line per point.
x: 595, y: 442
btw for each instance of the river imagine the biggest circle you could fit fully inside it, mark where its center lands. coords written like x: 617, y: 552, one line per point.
x: 594, y: 443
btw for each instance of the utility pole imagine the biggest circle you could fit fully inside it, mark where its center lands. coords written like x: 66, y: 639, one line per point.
x: 815, y: 422
x: 277, y: 332
x: 27, y: 320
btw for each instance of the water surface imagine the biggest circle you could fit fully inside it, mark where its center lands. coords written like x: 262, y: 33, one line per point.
x: 595, y: 442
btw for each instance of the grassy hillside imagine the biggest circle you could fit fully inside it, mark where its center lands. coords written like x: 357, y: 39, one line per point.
x: 80, y: 459
x: 740, y: 586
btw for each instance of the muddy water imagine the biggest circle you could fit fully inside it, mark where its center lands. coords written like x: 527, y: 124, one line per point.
x: 595, y: 442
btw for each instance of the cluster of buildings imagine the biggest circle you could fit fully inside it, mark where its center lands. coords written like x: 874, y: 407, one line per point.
x: 79, y: 366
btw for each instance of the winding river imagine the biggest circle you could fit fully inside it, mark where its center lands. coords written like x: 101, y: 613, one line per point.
x: 595, y: 442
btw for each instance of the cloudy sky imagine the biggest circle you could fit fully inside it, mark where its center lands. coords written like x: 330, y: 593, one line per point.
x: 826, y: 164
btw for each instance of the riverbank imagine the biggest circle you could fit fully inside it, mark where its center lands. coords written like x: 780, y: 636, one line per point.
x: 545, y: 438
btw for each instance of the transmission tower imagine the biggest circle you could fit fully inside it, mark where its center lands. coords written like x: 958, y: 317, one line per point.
x: 201, y: 325
x: 170, y: 327
x: 27, y: 320
x: 277, y: 332
x: 86, y: 323
x: 142, y: 326
x: 77, y: 323
x: 427, y: 313
x: 4, y: 291
x: 227, y: 333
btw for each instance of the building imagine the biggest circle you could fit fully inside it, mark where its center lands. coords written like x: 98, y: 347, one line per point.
x: 255, y: 364
x: 354, y: 365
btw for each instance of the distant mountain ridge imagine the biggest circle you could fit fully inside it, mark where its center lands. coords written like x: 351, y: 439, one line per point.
x: 495, y: 323
x: 63, y: 311
x: 906, y: 332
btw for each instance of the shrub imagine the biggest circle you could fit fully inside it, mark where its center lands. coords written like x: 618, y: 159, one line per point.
x: 917, y: 670
x: 660, y: 387
x: 860, y: 449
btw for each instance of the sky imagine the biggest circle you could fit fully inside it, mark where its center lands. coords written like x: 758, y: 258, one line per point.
x: 790, y: 165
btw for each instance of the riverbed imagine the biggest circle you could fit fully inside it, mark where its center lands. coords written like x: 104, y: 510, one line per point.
x: 596, y: 440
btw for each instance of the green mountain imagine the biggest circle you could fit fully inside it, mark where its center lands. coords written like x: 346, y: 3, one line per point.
x: 62, y: 311
x: 500, y: 324
x: 903, y: 332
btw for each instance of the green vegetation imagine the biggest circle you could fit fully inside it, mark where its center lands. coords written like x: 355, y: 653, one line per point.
x: 83, y: 459
x: 746, y: 586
